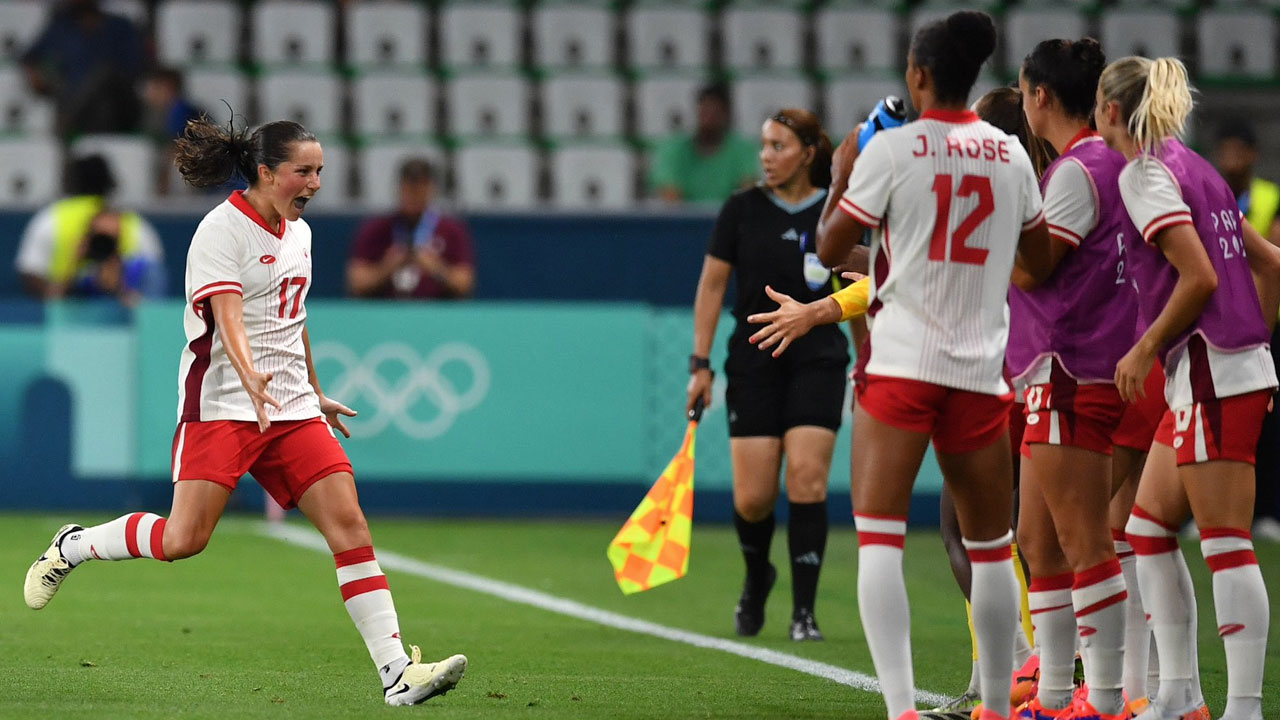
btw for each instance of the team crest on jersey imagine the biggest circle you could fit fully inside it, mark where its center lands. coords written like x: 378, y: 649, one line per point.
x: 792, y: 236
x: 267, y: 259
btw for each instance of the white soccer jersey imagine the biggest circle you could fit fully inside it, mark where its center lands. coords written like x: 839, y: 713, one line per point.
x: 235, y: 251
x: 948, y: 197
x: 1071, y: 200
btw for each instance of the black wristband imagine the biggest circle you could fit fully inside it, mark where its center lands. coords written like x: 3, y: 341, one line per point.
x: 697, y: 363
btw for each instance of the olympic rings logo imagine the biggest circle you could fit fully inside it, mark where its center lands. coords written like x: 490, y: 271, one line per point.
x: 418, y: 380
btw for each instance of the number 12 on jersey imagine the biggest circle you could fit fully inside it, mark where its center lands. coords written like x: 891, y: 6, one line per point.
x: 297, y: 282
x: 979, y: 185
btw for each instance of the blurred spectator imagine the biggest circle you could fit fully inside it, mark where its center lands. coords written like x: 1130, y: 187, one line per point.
x: 1235, y: 154
x: 80, y: 246
x: 711, y: 163
x: 416, y: 252
x: 89, y: 62
x: 166, y: 114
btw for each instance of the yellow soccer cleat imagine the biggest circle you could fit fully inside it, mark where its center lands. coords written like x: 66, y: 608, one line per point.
x: 420, y: 682
x: 48, y: 572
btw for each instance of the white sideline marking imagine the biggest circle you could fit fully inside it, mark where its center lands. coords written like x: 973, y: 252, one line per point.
x: 312, y: 540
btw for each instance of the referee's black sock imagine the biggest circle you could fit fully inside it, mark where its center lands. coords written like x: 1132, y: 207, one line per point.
x: 754, y: 538
x: 807, y: 541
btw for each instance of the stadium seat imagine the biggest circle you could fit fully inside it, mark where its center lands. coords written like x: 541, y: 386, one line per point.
x: 1025, y: 27
x: 487, y: 104
x: 386, y: 32
x: 757, y: 97
x: 213, y: 90
x: 379, y: 168
x: 22, y: 111
x: 20, y: 25
x: 760, y: 38
x: 665, y: 104
x: 849, y: 100
x: 593, y: 177
x: 573, y: 35
x: 1237, y: 43
x: 134, y: 10
x: 582, y: 105
x: 335, y: 178
x: 480, y: 35
x: 1146, y: 31
x: 193, y: 32
x: 29, y: 172
x: 293, y: 32
x: 667, y: 37
x: 496, y: 177
x: 394, y: 104
x: 856, y: 38
x: 313, y: 99
x: 133, y: 162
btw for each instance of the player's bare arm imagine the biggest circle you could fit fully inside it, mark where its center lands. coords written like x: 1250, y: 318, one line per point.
x: 706, y: 315
x: 228, y: 316
x: 838, y: 233
x: 1264, y: 263
x: 1038, y: 255
x: 332, y: 409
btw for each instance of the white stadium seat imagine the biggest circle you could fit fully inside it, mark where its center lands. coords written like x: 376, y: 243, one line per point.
x: 22, y: 111
x: 1024, y: 28
x: 193, y: 32
x: 582, y: 106
x: 313, y: 99
x: 394, y: 104
x: 668, y: 37
x: 762, y: 38
x: 496, y: 177
x: 30, y: 171
x: 487, y: 104
x: 855, y: 38
x: 479, y: 35
x: 133, y: 164
x: 134, y: 10
x: 665, y: 104
x: 756, y: 98
x: 593, y: 177
x: 1145, y: 31
x: 293, y: 32
x: 386, y: 32
x: 379, y: 169
x: 1237, y: 43
x: 573, y: 35
x: 20, y: 25
x: 849, y: 100
x: 213, y: 90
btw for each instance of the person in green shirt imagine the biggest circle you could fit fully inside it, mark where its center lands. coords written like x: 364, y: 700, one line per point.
x: 709, y: 164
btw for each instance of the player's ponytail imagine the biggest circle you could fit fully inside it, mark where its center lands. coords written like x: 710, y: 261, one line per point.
x: 209, y: 155
x: 1154, y: 98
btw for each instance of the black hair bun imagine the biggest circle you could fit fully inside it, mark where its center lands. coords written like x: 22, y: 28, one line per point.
x: 973, y: 34
x: 1088, y: 52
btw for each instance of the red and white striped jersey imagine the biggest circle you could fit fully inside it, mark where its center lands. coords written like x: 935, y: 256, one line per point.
x: 235, y: 251
x: 948, y: 196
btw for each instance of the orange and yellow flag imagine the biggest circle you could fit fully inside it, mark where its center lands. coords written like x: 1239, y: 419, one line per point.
x: 652, y: 548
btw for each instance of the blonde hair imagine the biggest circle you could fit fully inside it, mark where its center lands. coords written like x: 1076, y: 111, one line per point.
x: 1154, y: 97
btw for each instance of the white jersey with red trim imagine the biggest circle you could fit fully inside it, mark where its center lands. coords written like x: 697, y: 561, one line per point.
x: 235, y: 251
x: 948, y: 197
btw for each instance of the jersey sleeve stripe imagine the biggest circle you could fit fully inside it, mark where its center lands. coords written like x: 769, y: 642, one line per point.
x: 1039, y: 218
x: 858, y: 213
x: 1065, y: 235
x: 212, y: 289
x: 1168, y: 220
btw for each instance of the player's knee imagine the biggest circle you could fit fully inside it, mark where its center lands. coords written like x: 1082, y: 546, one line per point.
x: 182, y: 543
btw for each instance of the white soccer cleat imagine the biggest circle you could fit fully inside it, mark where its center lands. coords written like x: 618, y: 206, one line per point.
x: 47, y: 573
x: 420, y: 682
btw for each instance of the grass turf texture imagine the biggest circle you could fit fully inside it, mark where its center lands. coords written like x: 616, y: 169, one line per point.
x: 255, y: 628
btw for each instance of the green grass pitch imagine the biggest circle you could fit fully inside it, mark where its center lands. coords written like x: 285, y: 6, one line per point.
x: 255, y: 628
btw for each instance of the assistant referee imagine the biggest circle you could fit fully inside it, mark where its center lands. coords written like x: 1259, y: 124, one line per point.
x: 788, y: 406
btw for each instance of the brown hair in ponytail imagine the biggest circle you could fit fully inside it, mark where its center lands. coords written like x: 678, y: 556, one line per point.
x: 209, y: 155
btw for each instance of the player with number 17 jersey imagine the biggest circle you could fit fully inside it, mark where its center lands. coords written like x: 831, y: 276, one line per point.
x: 234, y: 250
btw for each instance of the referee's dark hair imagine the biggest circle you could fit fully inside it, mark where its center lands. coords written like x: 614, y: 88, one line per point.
x: 809, y: 130
x: 954, y: 50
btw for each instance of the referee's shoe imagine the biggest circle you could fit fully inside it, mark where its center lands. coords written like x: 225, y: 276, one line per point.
x: 748, y: 617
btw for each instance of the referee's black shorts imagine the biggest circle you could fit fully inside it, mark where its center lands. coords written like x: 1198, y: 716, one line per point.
x: 768, y: 400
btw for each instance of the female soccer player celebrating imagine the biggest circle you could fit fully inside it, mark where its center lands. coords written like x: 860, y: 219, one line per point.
x: 249, y: 399
x: 1208, y: 327
x: 1063, y: 351
x: 933, y: 366
x: 789, y: 406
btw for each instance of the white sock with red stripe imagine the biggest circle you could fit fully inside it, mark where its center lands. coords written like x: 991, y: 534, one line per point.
x: 1055, y: 622
x: 1098, y: 596
x: 1137, y: 638
x: 368, y: 599
x: 127, y: 537
x: 994, y: 598
x: 1240, y: 603
x: 1170, y: 603
x: 882, y: 605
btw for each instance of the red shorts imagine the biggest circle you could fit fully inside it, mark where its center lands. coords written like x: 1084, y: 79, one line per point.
x: 285, y: 460
x: 1072, y: 415
x: 1224, y: 429
x: 960, y: 421
x: 1137, y: 428
x: 1017, y: 428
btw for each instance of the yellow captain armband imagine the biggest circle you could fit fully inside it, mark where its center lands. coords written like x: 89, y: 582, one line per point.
x: 853, y: 300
